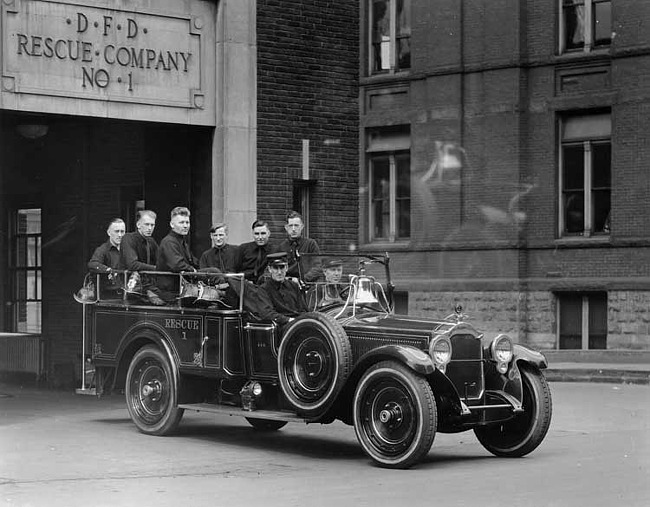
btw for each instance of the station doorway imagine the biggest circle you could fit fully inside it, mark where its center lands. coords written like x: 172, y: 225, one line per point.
x: 62, y: 179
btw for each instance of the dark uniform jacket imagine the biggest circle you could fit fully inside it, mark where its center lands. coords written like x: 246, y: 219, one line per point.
x: 252, y: 259
x: 139, y: 253
x: 287, y: 300
x: 174, y: 255
x: 104, y: 257
x: 224, y: 258
x: 309, y: 268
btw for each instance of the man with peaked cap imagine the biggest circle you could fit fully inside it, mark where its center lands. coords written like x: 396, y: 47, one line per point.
x: 288, y: 301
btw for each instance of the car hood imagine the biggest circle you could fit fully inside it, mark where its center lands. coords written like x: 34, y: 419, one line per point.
x: 383, y: 323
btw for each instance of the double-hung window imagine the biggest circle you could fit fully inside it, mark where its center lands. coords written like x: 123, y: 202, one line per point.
x: 390, y: 35
x: 585, y: 175
x: 585, y: 24
x: 389, y: 162
x: 582, y: 320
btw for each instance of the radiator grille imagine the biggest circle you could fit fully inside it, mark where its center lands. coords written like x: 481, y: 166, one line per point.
x: 466, y: 367
x: 21, y: 353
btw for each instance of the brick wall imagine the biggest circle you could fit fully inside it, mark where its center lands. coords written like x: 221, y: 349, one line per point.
x: 308, y: 89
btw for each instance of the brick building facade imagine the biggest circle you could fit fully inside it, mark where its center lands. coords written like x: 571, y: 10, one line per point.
x: 526, y: 130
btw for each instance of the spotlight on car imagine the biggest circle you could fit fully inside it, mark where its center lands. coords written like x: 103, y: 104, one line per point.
x: 502, y: 352
x: 440, y: 350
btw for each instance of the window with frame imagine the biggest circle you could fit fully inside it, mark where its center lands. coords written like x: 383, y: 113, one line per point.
x: 389, y: 36
x: 27, y: 271
x: 585, y: 24
x: 582, y: 320
x: 389, y: 178
x: 585, y: 175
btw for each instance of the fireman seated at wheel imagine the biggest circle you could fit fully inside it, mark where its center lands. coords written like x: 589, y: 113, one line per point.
x: 328, y: 289
x: 285, y: 296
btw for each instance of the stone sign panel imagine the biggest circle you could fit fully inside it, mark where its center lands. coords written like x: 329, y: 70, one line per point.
x: 155, y: 62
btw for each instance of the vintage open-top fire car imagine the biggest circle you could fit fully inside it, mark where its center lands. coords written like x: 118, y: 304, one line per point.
x: 397, y: 379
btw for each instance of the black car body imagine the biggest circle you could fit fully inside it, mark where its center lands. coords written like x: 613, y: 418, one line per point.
x: 397, y: 379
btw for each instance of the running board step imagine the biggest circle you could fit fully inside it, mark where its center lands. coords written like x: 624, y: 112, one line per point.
x: 271, y: 415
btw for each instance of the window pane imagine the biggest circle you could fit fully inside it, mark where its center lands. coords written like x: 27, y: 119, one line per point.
x: 21, y: 285
x: 29, y: 221
x: 574, y: 24
x: 570, y: 321
x: 574, y: 212
x: 601, y: 207
x: 602, y: 26
x: 31, y: 285
x: 597, y: 321
x: 380, y: 28
x: 380, y: 184
x: 403, y: 165
x: 21, y: 251
x: 573, y: 167
x: 404, y: 218
x: 404, y: 53
x: 403, y: 34
x: 601, y: 163
x: 28, y: 317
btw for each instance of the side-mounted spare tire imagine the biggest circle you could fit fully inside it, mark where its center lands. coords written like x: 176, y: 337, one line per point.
x: 314, y: 362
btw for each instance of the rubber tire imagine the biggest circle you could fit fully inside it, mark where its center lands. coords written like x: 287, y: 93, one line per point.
x: 522, y: 434
x: 391, y: 385
x: 157, y: 414
x: 265, y: 424
x: 314, y: 362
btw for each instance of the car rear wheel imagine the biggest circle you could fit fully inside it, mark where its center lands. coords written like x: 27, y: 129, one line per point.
x: 394, y: 415
x: 266, y: 424
x: 522, y: 434
x: 314, y: 361
x: 151, y: 392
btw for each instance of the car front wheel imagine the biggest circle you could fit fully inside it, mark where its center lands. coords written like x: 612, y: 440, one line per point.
x: 151, y: 393
x: 394, y: 415
x: 522, y: 434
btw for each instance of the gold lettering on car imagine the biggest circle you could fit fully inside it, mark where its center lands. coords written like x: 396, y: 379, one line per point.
x: 182, y: 324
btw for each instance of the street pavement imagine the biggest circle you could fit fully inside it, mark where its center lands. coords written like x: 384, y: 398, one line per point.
x: 58, y: 449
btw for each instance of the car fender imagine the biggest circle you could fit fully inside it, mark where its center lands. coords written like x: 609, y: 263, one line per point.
x: 524, y: 354
x: 417, y: 360
x: 136, y: 337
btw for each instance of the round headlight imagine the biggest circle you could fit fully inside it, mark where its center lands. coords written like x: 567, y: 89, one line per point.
x: 440, y: 350
x: 502, y: 349
x: 257, y: 389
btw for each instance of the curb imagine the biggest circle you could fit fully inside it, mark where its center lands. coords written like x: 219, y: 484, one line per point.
x: 612, y: 376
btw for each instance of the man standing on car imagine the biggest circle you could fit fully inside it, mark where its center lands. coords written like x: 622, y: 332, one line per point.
x: 222, y: 255
x: 286, y: 297
x: 140, y: 253
x: 174, y: 254
x: 252, y: 255
x: 305, y: 268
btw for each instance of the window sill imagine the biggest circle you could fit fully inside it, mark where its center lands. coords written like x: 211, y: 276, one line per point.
x: 582, y: 241
x: 383, y: 246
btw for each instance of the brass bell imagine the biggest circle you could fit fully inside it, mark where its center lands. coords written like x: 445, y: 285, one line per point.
x: 364, y: 293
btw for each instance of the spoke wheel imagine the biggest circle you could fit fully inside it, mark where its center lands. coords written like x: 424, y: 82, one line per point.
x: 266, y: 424
x: 314, y: 361
x: 394, y: 415
x: 522, y: 434
x: 151, y: 392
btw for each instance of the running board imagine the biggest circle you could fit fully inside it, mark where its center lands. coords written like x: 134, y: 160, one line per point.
x: 271, y: 415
